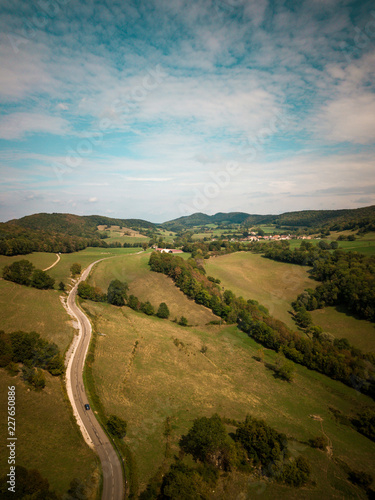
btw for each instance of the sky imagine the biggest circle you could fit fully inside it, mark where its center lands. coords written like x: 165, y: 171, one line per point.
x: 156, y: 109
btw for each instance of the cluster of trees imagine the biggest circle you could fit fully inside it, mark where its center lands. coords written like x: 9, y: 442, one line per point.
x: 24, y: 273
x: 117, y: 295
x: 254, y: 448
x: 338, y: 361
x: 348, y: 278
x: 33, y: 352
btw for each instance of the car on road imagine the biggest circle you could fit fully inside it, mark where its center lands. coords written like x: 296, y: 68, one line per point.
x: 87, y: 406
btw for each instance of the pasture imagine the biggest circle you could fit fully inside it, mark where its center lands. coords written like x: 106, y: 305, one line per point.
x: 147, y: 370
x: 273, y: 284
x: 147, y: 285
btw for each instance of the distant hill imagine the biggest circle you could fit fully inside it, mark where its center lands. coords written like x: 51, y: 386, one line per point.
x: 199, y: 219
x: 69, y: 233
x: 304, y: 218
x: 58, y: 232
x: 76, y: 225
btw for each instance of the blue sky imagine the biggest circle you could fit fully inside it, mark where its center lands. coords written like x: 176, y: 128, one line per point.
x: 157, y: 109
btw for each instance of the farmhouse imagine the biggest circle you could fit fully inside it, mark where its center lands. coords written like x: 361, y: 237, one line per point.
x: 168, y: 250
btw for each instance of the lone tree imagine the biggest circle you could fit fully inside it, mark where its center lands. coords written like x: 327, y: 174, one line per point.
x: 117, y: 292
x: 163, y: 311
x: 62, y: 286
x: 75, y: 269
x: 116, y: 426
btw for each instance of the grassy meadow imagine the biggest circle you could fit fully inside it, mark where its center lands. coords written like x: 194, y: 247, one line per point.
x: 273, y: 284
x: 41, y: 260
x: 147, y: 370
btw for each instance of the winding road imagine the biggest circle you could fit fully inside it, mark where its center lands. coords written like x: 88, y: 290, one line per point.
x: 113, y: 484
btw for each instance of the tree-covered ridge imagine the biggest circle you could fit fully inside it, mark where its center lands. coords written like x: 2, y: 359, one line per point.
x: 338, y: 361
x: 347, y: 278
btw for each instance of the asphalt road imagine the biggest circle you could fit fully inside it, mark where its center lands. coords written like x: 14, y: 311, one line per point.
x: 113, y: 484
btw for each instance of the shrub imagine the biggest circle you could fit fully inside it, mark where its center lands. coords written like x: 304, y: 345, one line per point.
x: 133, y: 302
x: 41, y: 280
x: 117, y: 426
x: 19, y: 272
x: 147, y: 308
x: 75, y: 269
x: 319, y: 442
x: 183, y: 321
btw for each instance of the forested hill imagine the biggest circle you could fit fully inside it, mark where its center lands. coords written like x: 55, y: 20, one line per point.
x: 200, y: 219
x: 58, y: 232
x: 342, y: 219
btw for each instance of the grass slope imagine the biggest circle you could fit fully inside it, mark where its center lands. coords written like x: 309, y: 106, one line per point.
x: 147, y: 285
x: 147, y: 370
x: 29, y: 309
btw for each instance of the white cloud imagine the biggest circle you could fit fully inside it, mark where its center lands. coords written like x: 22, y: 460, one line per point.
x: 17, y: 125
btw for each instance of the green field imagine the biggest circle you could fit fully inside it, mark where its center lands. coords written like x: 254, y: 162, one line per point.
x: 147, y: 285
x: 148, y: 369
x: 48, y: 438
x: 61, y: 272
x: 41, y: 260
x: 359, y: 332
x: 273, y: 284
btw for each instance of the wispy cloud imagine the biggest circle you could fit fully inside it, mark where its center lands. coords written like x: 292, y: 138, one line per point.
x: 78, y: 93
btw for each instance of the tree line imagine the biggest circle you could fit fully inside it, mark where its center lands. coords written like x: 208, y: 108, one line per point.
x: 341, y: 362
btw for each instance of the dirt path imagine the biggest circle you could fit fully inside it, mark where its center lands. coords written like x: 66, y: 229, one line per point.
x: 54, y: 264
